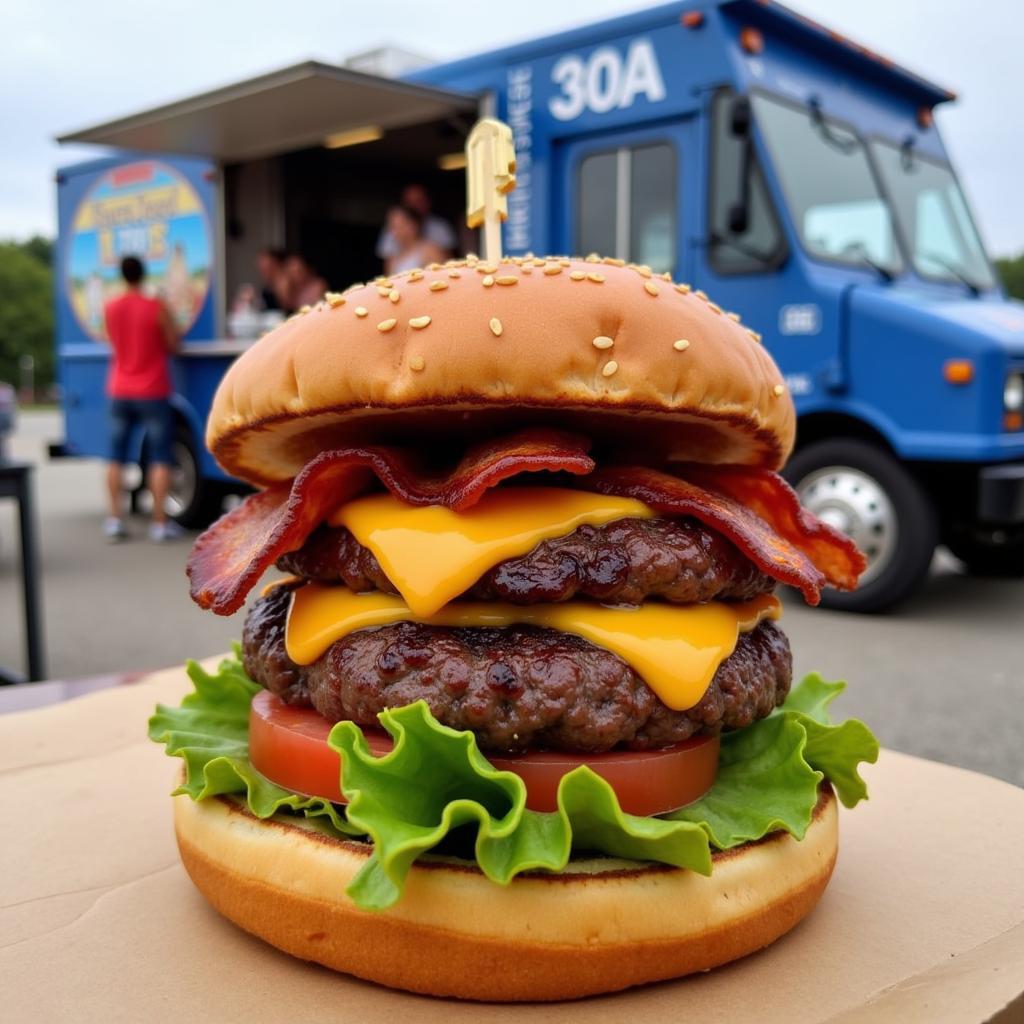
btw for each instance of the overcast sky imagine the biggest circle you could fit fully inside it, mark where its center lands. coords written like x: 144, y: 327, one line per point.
x: 65, y: 64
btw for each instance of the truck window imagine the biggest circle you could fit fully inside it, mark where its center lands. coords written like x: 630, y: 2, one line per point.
x: 832, y: 194
x: 626, y: 205
x: 744, y: 235
x: 933, y: 216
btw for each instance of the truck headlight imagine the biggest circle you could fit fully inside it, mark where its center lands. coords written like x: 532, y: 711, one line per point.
x: 1013, y: 393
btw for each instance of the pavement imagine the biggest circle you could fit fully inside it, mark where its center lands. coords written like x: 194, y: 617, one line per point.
x: 941, y: 677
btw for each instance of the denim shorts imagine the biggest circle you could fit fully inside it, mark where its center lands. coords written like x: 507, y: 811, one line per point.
x: 153, y: 415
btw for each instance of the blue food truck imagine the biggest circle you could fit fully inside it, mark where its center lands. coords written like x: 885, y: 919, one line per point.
x: 795, y: 176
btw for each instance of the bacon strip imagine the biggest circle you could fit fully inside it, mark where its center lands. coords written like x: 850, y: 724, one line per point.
x: 755, y: 509
x: 229, y: 558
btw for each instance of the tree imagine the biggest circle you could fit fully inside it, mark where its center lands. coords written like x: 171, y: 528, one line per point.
x: 1012, y: 273
x: 41, y: 248
x: 26, y: 311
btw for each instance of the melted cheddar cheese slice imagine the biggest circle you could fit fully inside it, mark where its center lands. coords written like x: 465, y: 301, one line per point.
x: 432, y: 554
x: 676, y: 649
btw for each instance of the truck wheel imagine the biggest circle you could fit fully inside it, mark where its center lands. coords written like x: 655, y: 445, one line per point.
x: 864, y: 492
x: 193, y: 502
x: 998, y: 556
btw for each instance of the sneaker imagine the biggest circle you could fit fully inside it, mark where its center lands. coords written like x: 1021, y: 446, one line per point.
x: 161, y: 533
x: 114, y: 530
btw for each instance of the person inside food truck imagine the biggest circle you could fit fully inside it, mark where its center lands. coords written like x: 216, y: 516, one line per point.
x: 303, y: 285
x: 270, y: 264
x: 411, y: 249
x: 436, y: 230
x: 143, y: 336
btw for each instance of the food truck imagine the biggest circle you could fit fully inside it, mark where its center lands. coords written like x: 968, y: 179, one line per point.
x: 793, y: 175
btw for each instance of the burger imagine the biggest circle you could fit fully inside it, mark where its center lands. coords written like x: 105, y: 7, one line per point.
x: 516, y: 722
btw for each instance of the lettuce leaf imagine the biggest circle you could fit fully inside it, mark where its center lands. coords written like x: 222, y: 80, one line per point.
x: 435, y: 780
x: 210, y: 732
x: 436, y: 786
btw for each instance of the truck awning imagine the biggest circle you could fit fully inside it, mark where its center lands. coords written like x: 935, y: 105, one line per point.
x: 285, y: 110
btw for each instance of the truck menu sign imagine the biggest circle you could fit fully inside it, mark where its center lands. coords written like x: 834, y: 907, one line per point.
x: 145, y: 208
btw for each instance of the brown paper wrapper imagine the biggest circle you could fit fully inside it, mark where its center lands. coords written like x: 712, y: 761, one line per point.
x: 923, y: 920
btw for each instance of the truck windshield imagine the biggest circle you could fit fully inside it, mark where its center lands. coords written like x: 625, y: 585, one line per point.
x: 826, y: 177
x: 933, y: 216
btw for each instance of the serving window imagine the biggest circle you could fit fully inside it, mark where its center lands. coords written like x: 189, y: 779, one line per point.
x: 627, y: 204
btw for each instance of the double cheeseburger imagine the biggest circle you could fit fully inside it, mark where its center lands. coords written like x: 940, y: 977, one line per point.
x: 517, y: 722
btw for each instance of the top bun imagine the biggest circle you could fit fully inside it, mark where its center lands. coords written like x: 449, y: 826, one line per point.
x: 466, y: 348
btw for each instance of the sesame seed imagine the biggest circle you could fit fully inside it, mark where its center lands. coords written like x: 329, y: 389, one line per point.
x: 683, y: 289
x: 416, y: 363
x: 651, y: 288
x: 486, y: 268
x: 529, y: 256
x: 666, y: 276
x: 602, y: 342
x: 594, y: 276
x: 507, y: 279
x: 305, y: 309
x: 609, y: 368
x: 433, y: 266
x: 381, y: 280
x: 715, y: 308
x: 381, y: 290
x: 417, y: 323
x: 565, y: 262
x: 754, y: 335
x: 702, y: 295
x: 360, y: 311
x: 613, y: 262
x: 415, y: 275
x: 488, y: 281
x: 527, y: 268
x: 496, y: 327
x: 471, y: 256
x: 539, y: 261
x: 394, y: 295
x: 454, y: 273
x: 334, y: 299
x: 681, y: 345
x: 552, y: 268
x: 578, y: 275
x: 438, y: 286
x: 733, y: 316
x: 386, y: 325
x: 779, y: 390
x: 593, y: 258
x: 642, y: 269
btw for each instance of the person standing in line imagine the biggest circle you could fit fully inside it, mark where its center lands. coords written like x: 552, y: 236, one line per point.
x: 143, y: 336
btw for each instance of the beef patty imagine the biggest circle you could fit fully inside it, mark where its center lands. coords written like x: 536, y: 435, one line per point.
x: 624, y: 562
x: 515, y: 688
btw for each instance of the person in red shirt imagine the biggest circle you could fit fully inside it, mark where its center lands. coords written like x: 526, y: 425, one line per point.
x: 143, y: 337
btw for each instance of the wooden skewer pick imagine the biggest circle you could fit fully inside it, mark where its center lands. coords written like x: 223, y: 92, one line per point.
x: 490, y: 176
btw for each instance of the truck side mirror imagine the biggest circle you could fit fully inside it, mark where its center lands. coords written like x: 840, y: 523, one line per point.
x: 739, y: 117
x: 739, y: 218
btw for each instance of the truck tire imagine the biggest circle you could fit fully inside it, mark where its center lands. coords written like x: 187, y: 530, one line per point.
x: 195, y: 501
x: 983, y: 556
x: 863, y: 491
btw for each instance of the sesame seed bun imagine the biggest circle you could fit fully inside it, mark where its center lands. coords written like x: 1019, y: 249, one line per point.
x: 599, y: 926
x: 461, y: 348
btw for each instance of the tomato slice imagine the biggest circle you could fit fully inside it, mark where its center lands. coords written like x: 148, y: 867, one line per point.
x: 288, y: 745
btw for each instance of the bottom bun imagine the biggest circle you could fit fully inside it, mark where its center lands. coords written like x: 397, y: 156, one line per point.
x: 601, y: 925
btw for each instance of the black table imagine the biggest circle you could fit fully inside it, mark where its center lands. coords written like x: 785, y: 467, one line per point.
x: 16, y: 482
